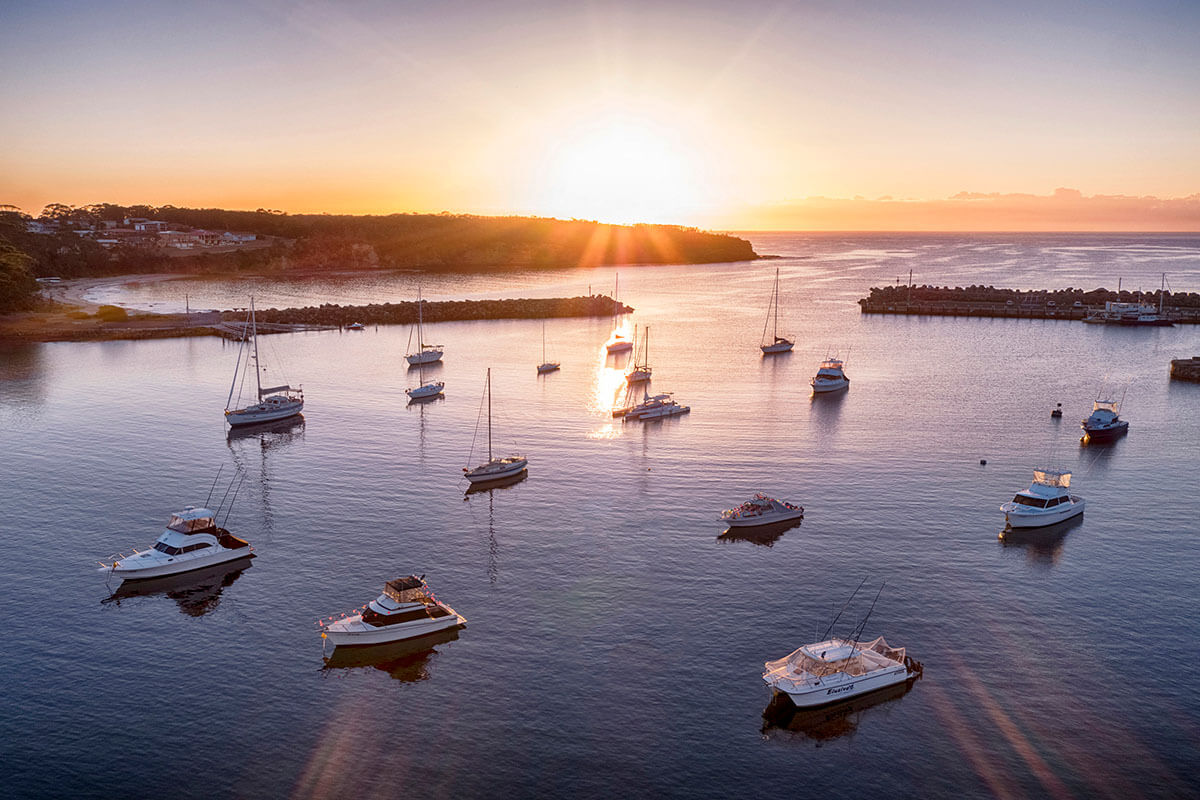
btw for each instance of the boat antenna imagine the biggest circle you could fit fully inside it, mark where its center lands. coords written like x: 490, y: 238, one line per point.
x: 229, y: 510
x: 227, y: 488
x: 214, y: 485
x: 825, y: 635
x: 489, y: 394
x: 857, y: 633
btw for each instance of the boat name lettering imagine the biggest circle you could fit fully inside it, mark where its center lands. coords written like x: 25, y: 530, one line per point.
x: 840, y: 689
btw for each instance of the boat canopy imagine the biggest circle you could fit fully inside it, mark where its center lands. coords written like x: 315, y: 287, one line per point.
x: 1105, y: 405
x: 1048, y: 477
x: 191, y: 519
x: 405, y: 590
x: 836, y: 655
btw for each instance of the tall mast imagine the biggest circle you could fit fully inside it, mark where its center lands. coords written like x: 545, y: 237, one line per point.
x: 543, y: 341
x: 777, y: 304
x: 420, y: 332
x: 1161, y: 293
x: 254, y: 333
x: 489, y: 394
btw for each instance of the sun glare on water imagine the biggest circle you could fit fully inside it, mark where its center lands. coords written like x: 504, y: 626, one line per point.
x: 619, y: 171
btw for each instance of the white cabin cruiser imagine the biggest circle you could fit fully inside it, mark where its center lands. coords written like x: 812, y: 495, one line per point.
x: 1104, y: 422
x: 274, y: 402
x: 191, y: 541
x: 761, y: 510
x: 831, y: 376
x: 405, y: 609
x: 660, y: 405
x: 838, y: 669
x: 1045, y: 502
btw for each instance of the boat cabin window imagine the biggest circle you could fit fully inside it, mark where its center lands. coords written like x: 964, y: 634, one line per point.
x: 166, y: 548
x: 189, y: 525
x: 1036, y: 502
x: 189, y: 548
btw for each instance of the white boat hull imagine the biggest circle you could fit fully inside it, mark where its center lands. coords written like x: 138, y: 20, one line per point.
x: 177, y: 564
x: 428, y: 390
x: 765, y: 519
x: 778, y: 347
x: 257, y: 416
x: 831, y: 690
x: 353, y: 632
x: 424, y: 357
x: 517, y: 467
x: 821, y: 387
x: 547, y: 367
x: 1016, y: 517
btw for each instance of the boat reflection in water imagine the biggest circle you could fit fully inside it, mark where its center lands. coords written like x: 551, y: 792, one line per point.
x: 782, y: 720
x: 197, y: 592
x: 281, y: 430
x: 406, y: 660
x: 1044, y: 545
x: 499, y: 483
x: 764, y: 535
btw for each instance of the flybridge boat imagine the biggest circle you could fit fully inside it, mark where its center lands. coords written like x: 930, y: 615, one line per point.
x: 425, y: 353
x: 1104, y: 422
x: 838, y: 669
x: 761, y: 510
x: 831, y: 376
x: 656, y: 407
x: 405, y: 609
x: 778, y: 344
x: 191, y: 541
x: 274, y: 402
x: 1045, y: 502
x: 495, y: 469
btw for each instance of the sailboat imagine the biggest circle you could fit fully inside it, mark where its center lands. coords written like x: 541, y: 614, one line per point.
x: 546, y: 366
x: 641, y: 367
x: 274, y: 402
x: 424, y: 390
x: 618, y: 343
x: 426, y: 353
x: 779, y: 344
x: 495, y: 469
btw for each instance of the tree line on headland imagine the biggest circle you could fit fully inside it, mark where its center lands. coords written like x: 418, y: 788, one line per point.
x: 57, y: 243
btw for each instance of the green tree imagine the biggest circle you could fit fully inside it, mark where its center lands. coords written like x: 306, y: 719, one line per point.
x: 18, y: 289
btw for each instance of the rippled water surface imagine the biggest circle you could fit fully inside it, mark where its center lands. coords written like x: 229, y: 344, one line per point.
x: 614, y: 641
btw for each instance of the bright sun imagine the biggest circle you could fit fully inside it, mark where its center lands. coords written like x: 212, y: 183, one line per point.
x: 618, y: 170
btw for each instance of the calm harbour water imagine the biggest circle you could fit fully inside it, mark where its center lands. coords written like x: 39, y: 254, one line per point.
x: 614, y: 643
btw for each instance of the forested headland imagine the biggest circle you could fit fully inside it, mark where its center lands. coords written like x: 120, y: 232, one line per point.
x: 106, y: 239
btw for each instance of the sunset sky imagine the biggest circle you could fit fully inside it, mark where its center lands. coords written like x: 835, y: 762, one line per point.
x: 741, y: 115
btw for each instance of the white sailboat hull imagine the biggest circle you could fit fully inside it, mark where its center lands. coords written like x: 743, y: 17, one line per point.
x: 424, y: 357
x: 778, y: 347
x: 256, y: 414
x: 495, y: 470
x: 428, y: 390
x: 547, y: 367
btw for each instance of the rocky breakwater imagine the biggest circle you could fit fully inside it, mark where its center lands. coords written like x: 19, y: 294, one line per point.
x: 435, y: 311
x: 989, y: 301
x: 1186, y: 369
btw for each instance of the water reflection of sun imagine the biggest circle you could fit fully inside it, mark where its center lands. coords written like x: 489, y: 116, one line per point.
x: 608, y: 389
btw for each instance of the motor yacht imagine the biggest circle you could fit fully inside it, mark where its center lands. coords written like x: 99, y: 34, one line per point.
x: 656, y: 407
x: 191, y: 541
x: 831, y: 376
x: 1045, y: 502
x: 761, y: 510
x: 405, y: 609
x: 836, y: 670
x: 1104, y: 423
